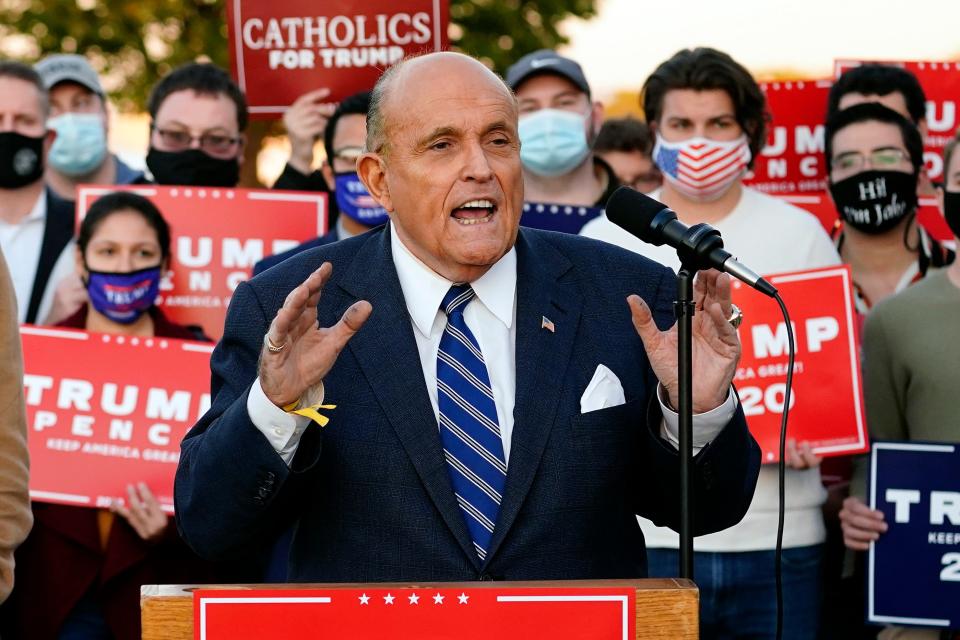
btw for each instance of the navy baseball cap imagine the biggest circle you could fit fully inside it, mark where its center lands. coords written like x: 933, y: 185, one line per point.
x: 546, y: 61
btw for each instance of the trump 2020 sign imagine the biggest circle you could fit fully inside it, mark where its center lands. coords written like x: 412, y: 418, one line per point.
x: 914, y: 570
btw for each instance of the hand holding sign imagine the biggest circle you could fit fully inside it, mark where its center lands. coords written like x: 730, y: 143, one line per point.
x: 861, y: 525
x: 143, y: 512
x: 306, y: 120
x: 297, y: 353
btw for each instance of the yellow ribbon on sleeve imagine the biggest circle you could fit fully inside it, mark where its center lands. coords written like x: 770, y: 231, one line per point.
x: 311, y: 411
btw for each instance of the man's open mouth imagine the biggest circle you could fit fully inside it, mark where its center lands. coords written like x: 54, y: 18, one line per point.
x: 474, y: 212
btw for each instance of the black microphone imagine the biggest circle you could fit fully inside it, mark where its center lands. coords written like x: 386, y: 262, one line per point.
x: 699, y: 246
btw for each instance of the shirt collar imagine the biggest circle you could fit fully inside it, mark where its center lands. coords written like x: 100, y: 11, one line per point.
x: 423, y: 288
x: 39, y: 211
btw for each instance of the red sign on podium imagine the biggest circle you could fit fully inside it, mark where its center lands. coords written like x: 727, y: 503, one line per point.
x: 826, y: 407
x: 105, y: 411
x: 589, y: 613
x: 217, y: 235
x: 280, y: 49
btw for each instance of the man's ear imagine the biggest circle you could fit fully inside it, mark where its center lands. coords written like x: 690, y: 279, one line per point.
x: 240, y: 148
x: 327, y: 172
x: 372, y: 171
x: 597, y: 111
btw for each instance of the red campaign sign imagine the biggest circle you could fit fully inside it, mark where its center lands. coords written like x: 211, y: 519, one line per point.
x: 435, y: 613
x: 826, y: 407
x: 116, y: 405
x: 820, y: 205
x: 941, y: 84
x: 792, y: 160
x: 281, y: 49
x: 217, y: 235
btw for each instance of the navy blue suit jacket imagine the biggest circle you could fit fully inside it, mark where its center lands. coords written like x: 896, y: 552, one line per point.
x: 277, y: 258
x: 371, y: 493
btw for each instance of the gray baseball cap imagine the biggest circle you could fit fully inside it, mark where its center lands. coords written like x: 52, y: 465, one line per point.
x: 68, y: 67
x: 546, y: 61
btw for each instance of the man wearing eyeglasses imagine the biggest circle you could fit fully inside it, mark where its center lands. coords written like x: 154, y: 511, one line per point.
x: 875, y: 157
x: 344, y: 136
x: 198, y: 115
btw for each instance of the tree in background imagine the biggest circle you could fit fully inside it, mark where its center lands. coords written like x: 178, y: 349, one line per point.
x: 132, y: 44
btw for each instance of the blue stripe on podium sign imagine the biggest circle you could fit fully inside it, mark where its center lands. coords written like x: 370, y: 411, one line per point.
x: 914, y: 568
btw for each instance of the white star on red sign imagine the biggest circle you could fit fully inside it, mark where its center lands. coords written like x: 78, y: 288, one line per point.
x: 364, y: 599
x: 388, y: 599
x: 463, y: 598
x: 438, y: 599
x: 414, y: 599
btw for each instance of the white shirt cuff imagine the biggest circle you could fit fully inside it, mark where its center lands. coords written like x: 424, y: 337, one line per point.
x: 281, y: 429
x: 706, y: 426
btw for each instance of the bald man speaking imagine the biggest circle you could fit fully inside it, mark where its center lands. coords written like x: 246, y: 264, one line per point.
x: 496, y: 400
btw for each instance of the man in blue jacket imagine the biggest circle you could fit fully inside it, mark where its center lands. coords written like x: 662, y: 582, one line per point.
x: 502, y: 395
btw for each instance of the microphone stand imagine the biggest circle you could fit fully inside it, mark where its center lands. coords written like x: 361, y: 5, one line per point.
x: 685, y: 308
x: 698, y: 242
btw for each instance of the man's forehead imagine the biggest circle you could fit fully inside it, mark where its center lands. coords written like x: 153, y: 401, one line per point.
x: 21, y: 95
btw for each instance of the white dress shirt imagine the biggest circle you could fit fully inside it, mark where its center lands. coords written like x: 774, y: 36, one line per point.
x: 491, y: 316
x: 21, y: 243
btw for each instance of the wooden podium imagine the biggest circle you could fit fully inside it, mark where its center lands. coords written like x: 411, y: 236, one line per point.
x: 663, y: 608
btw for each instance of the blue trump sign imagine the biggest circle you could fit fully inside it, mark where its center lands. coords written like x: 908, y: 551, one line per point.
x: 914, y: 568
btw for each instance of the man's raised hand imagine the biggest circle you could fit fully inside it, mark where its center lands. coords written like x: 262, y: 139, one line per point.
x: 297, y: 353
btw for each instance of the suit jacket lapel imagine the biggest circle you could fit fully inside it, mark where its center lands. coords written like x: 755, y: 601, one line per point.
x: 386, y: 350
x: 541, y: 354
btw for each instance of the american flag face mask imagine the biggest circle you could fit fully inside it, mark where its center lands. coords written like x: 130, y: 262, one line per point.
x: 700, y: 168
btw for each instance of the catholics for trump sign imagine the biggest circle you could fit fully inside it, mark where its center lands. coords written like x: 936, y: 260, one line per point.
x: 105, y: 411
x: 217, y: 235
x: 792, y: 160
x: 914, y: 568
x: 826, y: 407
x: 425, y: 613
x: 941, y: 84
x: 280, y: 49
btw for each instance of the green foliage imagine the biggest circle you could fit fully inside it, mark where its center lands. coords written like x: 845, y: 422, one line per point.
x: 133, y: 43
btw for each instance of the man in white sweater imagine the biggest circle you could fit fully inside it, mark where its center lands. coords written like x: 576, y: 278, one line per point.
x: 708, y: 115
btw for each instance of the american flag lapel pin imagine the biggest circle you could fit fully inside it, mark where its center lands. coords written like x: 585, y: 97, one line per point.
x: 547, y: 324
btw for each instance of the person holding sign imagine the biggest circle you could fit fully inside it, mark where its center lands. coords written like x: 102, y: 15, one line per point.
x: 910, y: 376
x: 467, y: 441
x: 875, y: 157
x: 197, y: 118
x: 103, y: 556
x: 708, y: 114
x: 343, y: 138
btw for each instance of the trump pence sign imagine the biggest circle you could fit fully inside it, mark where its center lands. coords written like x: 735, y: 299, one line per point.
x: 281, y: 49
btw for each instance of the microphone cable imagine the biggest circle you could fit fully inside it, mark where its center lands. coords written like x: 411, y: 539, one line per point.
x: 778, y: 552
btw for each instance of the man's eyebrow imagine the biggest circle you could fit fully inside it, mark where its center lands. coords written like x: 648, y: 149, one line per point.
x: 439, y: 132
x: 499, y: 125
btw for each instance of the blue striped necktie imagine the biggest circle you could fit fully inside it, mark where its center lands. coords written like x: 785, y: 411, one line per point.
x: 469, y: 429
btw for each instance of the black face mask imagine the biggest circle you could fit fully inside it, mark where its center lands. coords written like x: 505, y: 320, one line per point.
x: 875, y: 201
x: 951, y: 211
x: 193, y: 168
x: 21, y: 160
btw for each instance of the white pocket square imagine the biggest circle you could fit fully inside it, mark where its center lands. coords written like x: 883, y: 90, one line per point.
x: 603, y: 392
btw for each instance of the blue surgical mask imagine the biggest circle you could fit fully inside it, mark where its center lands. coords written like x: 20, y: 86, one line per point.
x: 80, y: 145
x: 355, y: 201
x: 123, y: 297
x: 552, y: 141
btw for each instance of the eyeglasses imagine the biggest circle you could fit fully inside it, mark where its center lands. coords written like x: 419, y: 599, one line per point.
x: 212, y: 143
x: 350, y: 154
x: 855, y: 161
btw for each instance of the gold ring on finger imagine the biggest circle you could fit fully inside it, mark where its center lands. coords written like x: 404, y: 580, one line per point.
x: 272, y: 348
